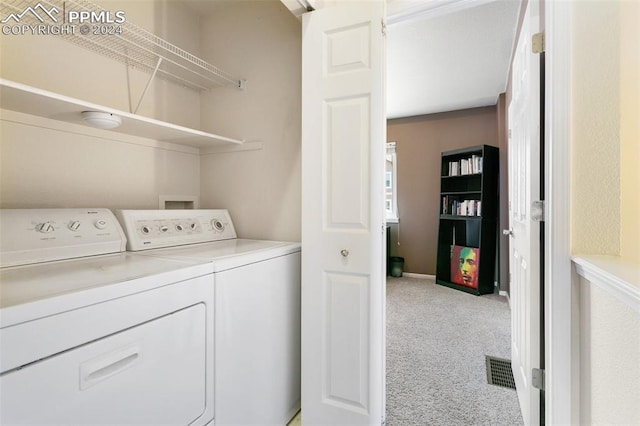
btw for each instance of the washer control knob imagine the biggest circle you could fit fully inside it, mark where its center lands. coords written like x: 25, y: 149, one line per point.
x: 145, y: 230
x: 101, y: 223
x: 45, y: 227
x: 217, y: 225
x: 164, y: 228
x: 179, y: 227
x: 75, y: 225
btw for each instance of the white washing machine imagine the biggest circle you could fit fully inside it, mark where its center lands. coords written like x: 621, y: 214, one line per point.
x: 257, y: 308
x: 91, y: 334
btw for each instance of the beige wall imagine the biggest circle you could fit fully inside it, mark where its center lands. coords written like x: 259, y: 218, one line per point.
x: 420, y: 141
x: 629, y: 87
x: 47, y: 163
x: 261, y: 41
x: 51, y: 63
x: 605, y: 199
x: 595, y: 128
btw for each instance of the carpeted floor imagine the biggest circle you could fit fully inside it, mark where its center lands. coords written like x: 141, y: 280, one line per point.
x: 437, y: 339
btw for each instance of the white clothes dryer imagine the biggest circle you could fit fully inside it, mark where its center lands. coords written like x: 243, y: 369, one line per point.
x: 257, y: 308
x: 91, y: 334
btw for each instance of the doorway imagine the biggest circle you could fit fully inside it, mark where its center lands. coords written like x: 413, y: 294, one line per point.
x: 456, y: 116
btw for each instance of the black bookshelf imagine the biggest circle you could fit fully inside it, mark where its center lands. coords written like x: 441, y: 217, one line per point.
x: 468, y: 219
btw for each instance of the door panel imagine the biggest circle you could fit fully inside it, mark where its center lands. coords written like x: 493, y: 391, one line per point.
x: 343, y: 135
x: 347, y: 164
x: 348, y: 49
x: 347, y: 316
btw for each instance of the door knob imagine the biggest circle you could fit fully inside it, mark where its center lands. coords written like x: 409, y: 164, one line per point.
x: 344, y: 252
x: 508, y: 232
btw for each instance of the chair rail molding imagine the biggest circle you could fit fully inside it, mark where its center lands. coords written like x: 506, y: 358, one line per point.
x: 612, y: 275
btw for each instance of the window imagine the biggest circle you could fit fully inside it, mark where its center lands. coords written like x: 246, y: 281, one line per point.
x: 391, y: 183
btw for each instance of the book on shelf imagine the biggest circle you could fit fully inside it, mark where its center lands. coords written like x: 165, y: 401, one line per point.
x: 461, y: 207
x: 466, y: 166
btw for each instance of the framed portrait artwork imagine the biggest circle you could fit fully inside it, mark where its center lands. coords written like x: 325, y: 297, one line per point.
x: 464, y: 266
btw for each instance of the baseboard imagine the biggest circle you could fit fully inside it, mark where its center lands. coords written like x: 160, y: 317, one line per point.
x: 505, y: 294
x: 423, y: 276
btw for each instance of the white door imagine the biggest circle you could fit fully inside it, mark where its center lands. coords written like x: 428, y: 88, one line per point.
x: 524, y: 188
x: 343, y: 293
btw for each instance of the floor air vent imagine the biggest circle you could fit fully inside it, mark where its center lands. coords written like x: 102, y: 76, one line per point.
x: 499, y: 372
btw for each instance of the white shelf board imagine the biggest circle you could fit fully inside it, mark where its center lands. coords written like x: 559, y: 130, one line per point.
x: 30, y: 100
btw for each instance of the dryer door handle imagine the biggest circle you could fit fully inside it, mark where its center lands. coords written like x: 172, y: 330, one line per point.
x: 98, y: 369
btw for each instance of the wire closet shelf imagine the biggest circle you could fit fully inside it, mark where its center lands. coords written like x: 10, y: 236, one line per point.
x: 132, y: 46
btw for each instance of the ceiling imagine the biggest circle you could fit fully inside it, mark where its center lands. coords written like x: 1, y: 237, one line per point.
x: 442, y: 55
x: 449, y: 57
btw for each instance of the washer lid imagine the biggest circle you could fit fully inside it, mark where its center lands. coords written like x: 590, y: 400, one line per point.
x: 229, y: 253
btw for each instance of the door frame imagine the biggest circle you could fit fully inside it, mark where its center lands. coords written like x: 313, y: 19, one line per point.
x: 561, y: 342
x: 562, y: 354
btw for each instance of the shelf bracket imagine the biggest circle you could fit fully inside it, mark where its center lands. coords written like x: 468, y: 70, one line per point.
x: 144, y: 92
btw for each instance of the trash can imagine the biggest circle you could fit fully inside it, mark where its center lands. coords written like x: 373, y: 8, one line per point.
x: 397, y: 263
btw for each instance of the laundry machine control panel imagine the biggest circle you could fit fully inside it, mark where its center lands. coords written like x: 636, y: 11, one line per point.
x: 150, y: 229
x: 42, y: 235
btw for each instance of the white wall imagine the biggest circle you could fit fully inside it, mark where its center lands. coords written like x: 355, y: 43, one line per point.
x: 609, y: 361
x: 261, y: 42
x: 46, y: 163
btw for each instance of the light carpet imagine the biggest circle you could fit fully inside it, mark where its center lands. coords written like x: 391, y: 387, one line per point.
x: 437, y: 339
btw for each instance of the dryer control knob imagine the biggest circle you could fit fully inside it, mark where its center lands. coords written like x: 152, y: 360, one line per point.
x: 145, y: 230
x: 164, y: 228
x: 179, y: 228
x: 101, y: 223
x: 217, y: 225
x: 75, y: 225
x: 45, y: 227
